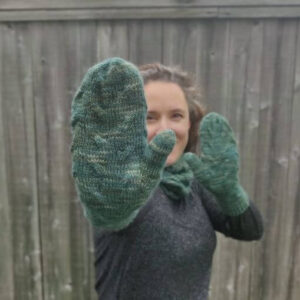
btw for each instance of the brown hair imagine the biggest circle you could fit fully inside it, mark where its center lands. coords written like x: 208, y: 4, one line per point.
x: 193, y: 96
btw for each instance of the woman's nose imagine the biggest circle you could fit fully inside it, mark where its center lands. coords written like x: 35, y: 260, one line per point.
x: 164, y: 124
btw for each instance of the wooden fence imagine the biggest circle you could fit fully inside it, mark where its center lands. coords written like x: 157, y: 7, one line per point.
x: 245, y: 55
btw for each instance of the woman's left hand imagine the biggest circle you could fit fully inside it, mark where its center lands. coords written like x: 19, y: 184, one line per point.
x: 218, y: 165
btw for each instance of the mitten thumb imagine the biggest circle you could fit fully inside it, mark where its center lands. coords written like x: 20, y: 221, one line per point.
x: 194, y: 162
x: 160, y: 147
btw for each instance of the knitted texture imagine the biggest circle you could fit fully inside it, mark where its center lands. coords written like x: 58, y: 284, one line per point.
x: 218, y: 165
x: 114, y: 167
x: 177, y: 179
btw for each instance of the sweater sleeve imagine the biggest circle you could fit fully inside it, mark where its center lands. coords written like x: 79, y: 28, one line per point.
x: 247, y: 226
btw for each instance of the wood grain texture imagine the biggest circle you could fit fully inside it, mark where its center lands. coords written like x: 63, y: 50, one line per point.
x: 227, y: 63
x: 59, y: 54
x: 87, y: 56
x: 112, y: 13
x: 6, y: 262
x: 131, y: 13
x: 20, y: 165
x: 248, y: 151
x: 282, y: 223
x: 112, y: 39
x: 50, y: 90
x: 259, y: 12
x: 294, y: 183
x: 59, y: 4
x: 186, y: 42
x: 217, y: 66
x: 249, y: 71
x: 263, y: 151
x: 145, y: 41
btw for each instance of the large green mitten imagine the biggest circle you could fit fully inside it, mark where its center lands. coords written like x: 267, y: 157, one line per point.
x: 218, y: 165
x: 114, y: 167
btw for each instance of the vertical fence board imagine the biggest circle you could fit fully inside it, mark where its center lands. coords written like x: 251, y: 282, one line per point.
x: 250, y: 112
x: 145, y: 41
x: 88, y: 56
x: 6, y: 237
x: 21, y: 168
x: 223, y: 283
x: 226, y: 262
x: 55, y: 212
x: 248, y: 147
x: 181, y: 43
x: 112, y: 39
x: 80, y: 47
x: 263, y: 150
x: 186, y: 42
x: 280, y: 231
x: 293, y: 184
x: 217, y: 75
x: 52, y: 66
x: 82, y: 44
x: 239, y: 45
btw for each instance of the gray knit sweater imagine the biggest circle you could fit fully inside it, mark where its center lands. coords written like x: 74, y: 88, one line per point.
x: 167, y: 251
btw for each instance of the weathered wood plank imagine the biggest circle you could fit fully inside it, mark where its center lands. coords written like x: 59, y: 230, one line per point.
x: 185, y: 42
x: 264, y: 148
x: 6, y: 262
x: 145, y: 41
x: 227, y: 263
x: 250, y: 115
x: 242, y: 52
x: 281, y: 220
x: 293, y: 184
x: 185, y: 45
x: 202, y: 32
x: 185, y: 12
x: 112, y: 39
x: 294, y: 276
x: 260, y: 12
x: 248, y: 147
x: 55, y: 4
x: 217, y: 89
x: 88, y: 55
x: 21, y: 167
x: 63, y: 233
x: 80, y: 47
x: 108, y: 14
x: 236, y: 75
x: 217, y: 61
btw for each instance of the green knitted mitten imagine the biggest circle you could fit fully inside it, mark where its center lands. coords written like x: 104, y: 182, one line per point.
x: 114, y: 167
x: 218, y: 165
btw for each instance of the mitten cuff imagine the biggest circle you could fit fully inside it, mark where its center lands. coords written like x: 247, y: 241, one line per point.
x: 236, y: 202
x: 98, y: 221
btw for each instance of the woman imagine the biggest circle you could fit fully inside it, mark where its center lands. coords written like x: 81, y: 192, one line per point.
x: 154, y: 205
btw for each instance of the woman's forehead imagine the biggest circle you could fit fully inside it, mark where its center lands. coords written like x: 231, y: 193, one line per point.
x: 165, y: 95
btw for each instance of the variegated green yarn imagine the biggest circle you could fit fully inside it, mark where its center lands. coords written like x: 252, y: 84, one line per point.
x: 218, y: 165
x: 114, y: 167
x: 177, y: 179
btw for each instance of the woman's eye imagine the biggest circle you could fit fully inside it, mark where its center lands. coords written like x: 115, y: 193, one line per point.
x: 177, y: 116
x: 150, y: 118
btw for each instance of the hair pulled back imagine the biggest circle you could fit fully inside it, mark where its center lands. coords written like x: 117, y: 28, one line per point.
x: 193, y: 96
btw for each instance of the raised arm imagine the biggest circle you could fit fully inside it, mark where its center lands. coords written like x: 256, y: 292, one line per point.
x: 247, y: 226
x: 216, y: 169
x: 114, y: 167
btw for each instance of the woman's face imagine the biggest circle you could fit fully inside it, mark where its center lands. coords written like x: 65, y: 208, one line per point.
x: 167, y: 108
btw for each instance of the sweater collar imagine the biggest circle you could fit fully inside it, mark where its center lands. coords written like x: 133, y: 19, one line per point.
x: 177, y: 179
